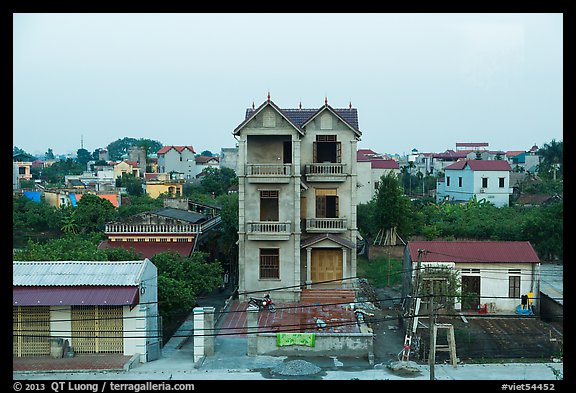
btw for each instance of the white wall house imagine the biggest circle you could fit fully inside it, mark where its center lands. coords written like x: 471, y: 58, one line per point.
x: 492, y: 273
x: 180, y: 159
x: 483, y: 179
x: 297, y: 198
x: 371, y: 167
x: 98, y: 306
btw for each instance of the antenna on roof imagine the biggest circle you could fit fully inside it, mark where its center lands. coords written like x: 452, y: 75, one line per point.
x: 268, y: 95
x: 350, y: 105
x: 325, y: 100
x: 300, y: 106
x: 252, y: 104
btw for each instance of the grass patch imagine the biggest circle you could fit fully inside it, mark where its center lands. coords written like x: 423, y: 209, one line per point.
x: 381, y: 271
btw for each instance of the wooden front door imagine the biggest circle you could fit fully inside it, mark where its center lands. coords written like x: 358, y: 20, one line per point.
x: 470, y: 292
x: 326, y: 264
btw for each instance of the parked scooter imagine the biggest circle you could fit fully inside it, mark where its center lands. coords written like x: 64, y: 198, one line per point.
x: 265, y: 302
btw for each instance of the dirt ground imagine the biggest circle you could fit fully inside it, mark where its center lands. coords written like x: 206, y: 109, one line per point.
x: 478, y: 338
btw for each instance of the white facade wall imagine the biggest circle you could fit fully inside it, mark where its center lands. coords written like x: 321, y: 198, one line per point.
x: 365, y: 182
x: 472, y: 186
x: 174, y: 161
x: 494, y: 282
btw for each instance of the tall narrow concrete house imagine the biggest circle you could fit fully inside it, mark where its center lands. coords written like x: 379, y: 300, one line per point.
x: 297, y: 199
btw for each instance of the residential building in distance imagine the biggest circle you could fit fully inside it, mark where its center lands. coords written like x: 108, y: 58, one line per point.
x: 159, y: 183
x: 178, y: 159
x: 481, y: 179
x: 297, y: 199
x: 229, y: 158
x: 203, y: 162
x: 126, y: 167
x: 166, y: 229
x: 371, y: 167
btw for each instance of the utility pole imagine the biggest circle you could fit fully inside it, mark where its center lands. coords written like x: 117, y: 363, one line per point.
x: 432, y: 353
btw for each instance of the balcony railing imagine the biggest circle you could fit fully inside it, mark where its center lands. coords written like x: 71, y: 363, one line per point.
x: 268, y: 173
x: 325, y: 172
x: 268, y: 230
x: 325, y: 224
x: 151, y: 228
x: 268, y: 169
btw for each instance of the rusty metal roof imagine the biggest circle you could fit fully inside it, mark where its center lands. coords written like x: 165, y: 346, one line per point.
x: 474, y: 251
x: 74, y: 273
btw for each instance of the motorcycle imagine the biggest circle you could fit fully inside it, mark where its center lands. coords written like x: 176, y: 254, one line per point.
x: 261, y: 303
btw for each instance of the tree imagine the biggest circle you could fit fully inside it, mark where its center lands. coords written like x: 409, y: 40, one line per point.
x: 119, y: 147
x: 83, y: 156
x: 207, y: 153
x: 69, y: 248
x: 552, y: 158
x: 49, y: 155
x: 69, y: 225
x: 93, y: 212
x: 391, y: 209
x: 217, y: 181
x: 182, y: 279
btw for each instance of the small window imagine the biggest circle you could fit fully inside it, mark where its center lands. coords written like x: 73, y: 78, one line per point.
x: 484, y: 182
x: 460, y: 181
x: 269, y: 263
x: 448, y: 181
x: 501, y: 182
x: 514, y: 287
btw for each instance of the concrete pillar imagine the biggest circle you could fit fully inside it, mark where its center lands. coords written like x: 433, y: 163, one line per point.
x: 209, y: 331
x: 252, y: 328
x: 198, y: 333
x: 345, y: 267
x: 308, y: 267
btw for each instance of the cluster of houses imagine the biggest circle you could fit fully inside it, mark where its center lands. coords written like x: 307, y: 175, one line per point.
x: 301, y: 177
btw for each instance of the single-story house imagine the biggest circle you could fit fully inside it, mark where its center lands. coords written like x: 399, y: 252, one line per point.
x: 99, y: 307
x: 496, y: 274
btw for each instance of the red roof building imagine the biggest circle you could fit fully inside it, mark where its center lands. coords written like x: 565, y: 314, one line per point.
x: 494, y: 275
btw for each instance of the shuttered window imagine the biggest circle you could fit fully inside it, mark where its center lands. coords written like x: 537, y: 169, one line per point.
x: 269, y: 263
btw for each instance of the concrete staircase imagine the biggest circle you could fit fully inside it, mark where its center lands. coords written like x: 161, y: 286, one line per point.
x: 327, y: 296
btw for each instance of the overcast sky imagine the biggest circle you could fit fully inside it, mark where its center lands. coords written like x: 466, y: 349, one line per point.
x: 424, y: 81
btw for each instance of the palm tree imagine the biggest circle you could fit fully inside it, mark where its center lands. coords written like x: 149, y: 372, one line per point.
x: 69, y: 225
x: 552, y: 157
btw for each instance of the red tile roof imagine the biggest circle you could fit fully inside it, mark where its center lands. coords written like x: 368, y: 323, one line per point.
x: 75, y: 296
x: 474, y: 251
x: 481, y: 165
x: 179, y: 149
x: 384, y: 164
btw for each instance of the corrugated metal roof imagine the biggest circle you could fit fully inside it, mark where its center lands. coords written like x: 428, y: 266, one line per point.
x: 474, y: 251
x: 481, y: 165
x: 75, y: 296
x: 71, y: 273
